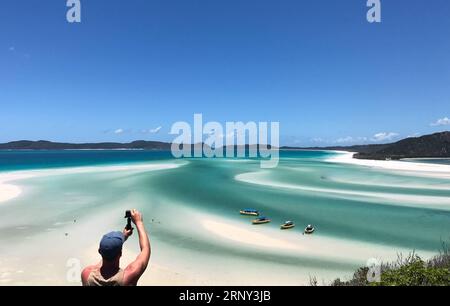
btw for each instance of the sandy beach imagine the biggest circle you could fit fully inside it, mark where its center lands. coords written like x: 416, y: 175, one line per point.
x: 269, y: 239
x: 10, y: 191
x: 260, y: 178
x: 198, y: 236
x: 415, y: 168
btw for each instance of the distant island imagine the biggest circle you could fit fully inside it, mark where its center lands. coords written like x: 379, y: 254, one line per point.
x: 429, y: 146
x: 436, y: 145
x: 48, y: 145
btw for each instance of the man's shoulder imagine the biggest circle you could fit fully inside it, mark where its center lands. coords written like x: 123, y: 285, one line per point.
x: 86, y: 272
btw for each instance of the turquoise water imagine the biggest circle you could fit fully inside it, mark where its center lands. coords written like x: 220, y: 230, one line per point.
x: 23, y: 160
x: 346, y: 203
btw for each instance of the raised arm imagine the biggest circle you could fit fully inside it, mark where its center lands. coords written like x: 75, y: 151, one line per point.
x: 135, y: 270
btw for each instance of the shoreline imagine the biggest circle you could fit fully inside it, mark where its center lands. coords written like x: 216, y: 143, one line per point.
x: 8, y: 192
x: 182, y: 259
x: 11, y: 191
x: 438, y: 202
x: 423, y: 169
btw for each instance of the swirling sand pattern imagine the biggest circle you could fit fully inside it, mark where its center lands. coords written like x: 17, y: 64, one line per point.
x: 191, y: 209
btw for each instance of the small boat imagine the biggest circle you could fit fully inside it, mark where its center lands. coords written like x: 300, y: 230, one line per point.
x: 261, y: 220
x: 287, y: 225
x: 249, y: 212
x: 309, y: 229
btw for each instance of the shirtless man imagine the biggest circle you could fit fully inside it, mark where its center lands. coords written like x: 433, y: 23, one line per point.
x: 108, y: 271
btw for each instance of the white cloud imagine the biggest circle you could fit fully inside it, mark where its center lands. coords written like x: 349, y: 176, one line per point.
x: 118, y: 131
x: 345, y: 139
x: 349, y: 139
x: 156, y: 130
x: 317, y: 139
x: 12, y: 48
x: 442, y: 121
x: 151, y: 131
x: 383, y: 136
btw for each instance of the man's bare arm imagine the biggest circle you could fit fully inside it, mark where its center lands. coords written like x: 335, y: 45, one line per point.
x: 135, y: 270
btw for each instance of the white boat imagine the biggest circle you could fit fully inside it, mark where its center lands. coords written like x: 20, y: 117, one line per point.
x: 287, y: 225
x: 261, y: 220
x: 249, y: 212
x: 309, y: 229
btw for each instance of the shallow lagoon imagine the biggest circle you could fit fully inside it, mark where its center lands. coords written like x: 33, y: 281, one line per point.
x: 191, y: 209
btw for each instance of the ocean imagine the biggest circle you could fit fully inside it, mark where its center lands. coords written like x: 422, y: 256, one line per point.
x: 191, y: 210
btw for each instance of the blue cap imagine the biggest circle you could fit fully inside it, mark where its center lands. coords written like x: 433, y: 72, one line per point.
x: 111, y: 245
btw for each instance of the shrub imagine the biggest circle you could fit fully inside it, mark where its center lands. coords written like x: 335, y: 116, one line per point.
x: 416, y: 273
x: 407, y: 271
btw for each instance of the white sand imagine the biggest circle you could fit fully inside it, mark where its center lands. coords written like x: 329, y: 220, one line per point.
x: 9, y: 191
x: 423, y: 169
x: 406, y: 168
x: 293, y: 242
x: 176, y: 265
x: 170, y: 270
x: 247, y: 236
x: 261, y: 178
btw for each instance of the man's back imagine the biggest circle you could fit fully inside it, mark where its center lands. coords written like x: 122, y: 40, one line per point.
x: 108, y: 272
x: 96, y: 278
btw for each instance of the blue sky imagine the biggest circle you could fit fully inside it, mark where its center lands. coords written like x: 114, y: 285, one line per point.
x: 132, y: 68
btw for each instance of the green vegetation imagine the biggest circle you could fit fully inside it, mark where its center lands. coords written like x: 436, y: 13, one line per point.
x: 435, y: 145
x: 406, y: 271
x: 416, y: 273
